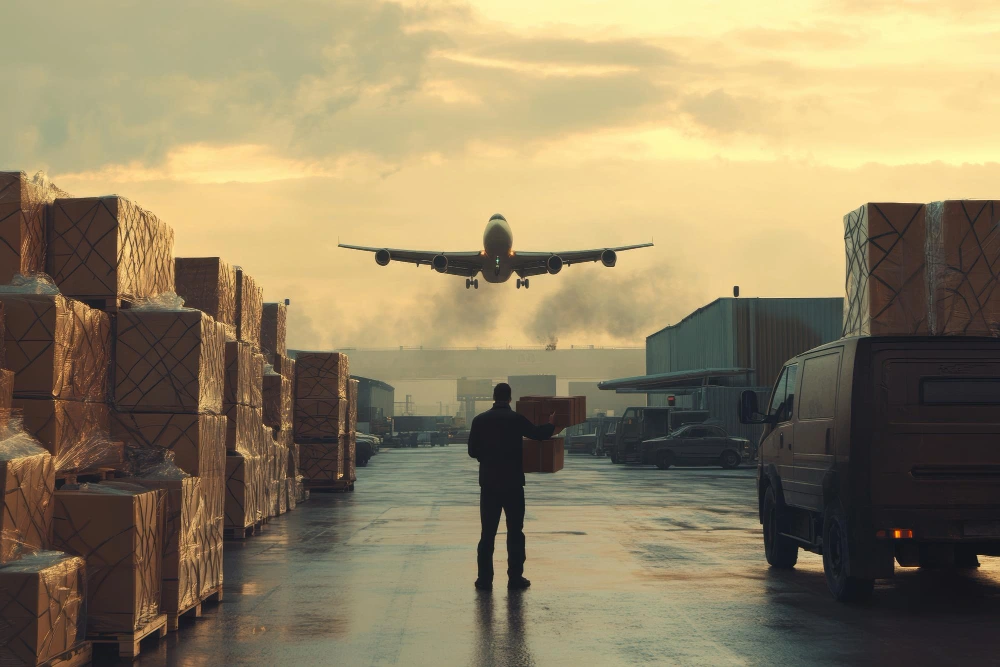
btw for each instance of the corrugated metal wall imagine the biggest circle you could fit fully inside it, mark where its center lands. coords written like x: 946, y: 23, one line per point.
x: 703, y: 339
x: 373, y: 399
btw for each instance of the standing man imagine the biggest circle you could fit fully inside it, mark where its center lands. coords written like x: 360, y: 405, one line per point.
x: 495, y: 441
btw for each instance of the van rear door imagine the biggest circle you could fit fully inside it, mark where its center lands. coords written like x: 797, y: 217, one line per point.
x: 936, y: 438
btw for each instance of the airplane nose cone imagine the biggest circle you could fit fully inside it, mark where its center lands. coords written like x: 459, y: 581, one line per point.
x: 497, y: 216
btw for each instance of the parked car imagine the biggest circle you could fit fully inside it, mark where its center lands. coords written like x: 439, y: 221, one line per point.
x: 695, y: 445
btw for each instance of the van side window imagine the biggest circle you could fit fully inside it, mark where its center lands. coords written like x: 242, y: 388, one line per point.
x: 783, y: 399
x: 820, y: 377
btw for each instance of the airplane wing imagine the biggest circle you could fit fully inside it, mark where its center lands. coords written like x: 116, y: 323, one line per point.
x: 466, y: 264
x: 536, y: 263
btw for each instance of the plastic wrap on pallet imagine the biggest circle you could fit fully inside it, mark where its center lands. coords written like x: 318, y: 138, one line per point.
x: 351, y: 457
x: 116, y: 531
x: 277, y: 400
x: 6, y: 395
x: 352, y: 405
x: 57, y: 347
x: 320, y: 419
x: 273, y: 329
x: 43, y: 607
x: 239, y: 374
x: 109, y: 248
x: 257, y: 364
x: 23, y: 204
x: 291, y: 495
x: 285, y: 367
x: 293, y: 460
x: 185, y: 526
x: 27, y: 482
x: 169, y: 361
x: 321, y: 375
x: 242, y: 492
x: 242, y: 424
x: 963, y: 267
x: 209, y: 284
x: 76, y: 433
x: 249, y: 309
x: 886, y: 286
x: 324, y: 462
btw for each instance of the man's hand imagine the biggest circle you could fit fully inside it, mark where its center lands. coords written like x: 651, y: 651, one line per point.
x: 552, y: 419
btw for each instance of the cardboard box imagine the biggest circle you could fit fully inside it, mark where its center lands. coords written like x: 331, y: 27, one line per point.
x: 42, y: 607
x: 208, y: 284
x: 285, y: 367
x: 321, y: 375
x: 184, y: 518
x: 291, y: 497
x: 23, y: 205
x: 569, y: 410
x: 109, y: 248
x: 117, y: 533
x: 963, y: 267
x: 169, y: 361
x: 273, y: 329
x: 197, y: 441
x: 239, y: 374
x: 352, y: 405
x: 543, y: 455
x: 57, y: 347
x: 242, y: 425
x: 320, y: 419
x: 249, y: 309
x: 293, y: 460
x: 278, y: 405
x: 242, y: 491
x: 27, y: 482
x: 75, y: 433
x: 886, y: 284
x: 322, y: 462
x: 6, y: 394
x: 257, y: 380
x: 350, y: 457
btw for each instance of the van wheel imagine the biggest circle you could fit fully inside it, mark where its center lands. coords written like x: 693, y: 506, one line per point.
x: 729, y: 460
x: 614, y: 457
x: 664, y: 460
x: 837, y: 559
x: 780, y: 552
x: 966, y: 558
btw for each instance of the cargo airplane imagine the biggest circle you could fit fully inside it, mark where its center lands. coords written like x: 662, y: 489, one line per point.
x: 497, y: 260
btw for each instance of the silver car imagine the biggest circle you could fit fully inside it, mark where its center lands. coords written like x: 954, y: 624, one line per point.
x: 695, y: 445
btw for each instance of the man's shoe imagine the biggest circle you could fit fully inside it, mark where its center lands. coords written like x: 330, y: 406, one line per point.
x: 518, y: 584
x: 484, y: 585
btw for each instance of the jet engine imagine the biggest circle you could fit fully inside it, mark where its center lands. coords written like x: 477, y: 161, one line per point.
x: 440, y: 263
x: 554, y: 264
x: 382, y: 257
x: 609, y: 257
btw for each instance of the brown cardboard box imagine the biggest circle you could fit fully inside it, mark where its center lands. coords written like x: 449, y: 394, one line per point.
x: 6, y: 392
x: 27, y: 483
x: 273, y: 328
x: 886, y: 285
x: 242, y: 492
x: 278, y: 405
x: 239, y: 374
x: 350, y: 457
x: 352, y: 405
x: 169, y: 361
x: 57, y: 347
x: 117, y: 533
x: 323, y: 462
x: 543, y: 455
x: 293, y: 460
x: 184, y: 520
x: 242, y: 425
x: 249, y: 309
x: 569, y: 410
x: 321, y: 375
x: 320, y: 419
x: 208, y: 284
x: 42, y: 607
x: 257, y: 381
x: 285, y: 367
x: 23, y: 205
x: 290, y: 495
x: 109, y: 248
x: 76, y: 433
x: 963, y: 267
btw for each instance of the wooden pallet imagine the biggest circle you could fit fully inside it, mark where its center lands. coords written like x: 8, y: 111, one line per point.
x: 85, y: 476
x: 81, y: 654
x: 108, y: 305
x: 194, y: 611
x: 239, y: 533
x: 128, y: 642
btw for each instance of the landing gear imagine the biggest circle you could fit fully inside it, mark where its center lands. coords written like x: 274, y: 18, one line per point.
x: 522, y: 282
x: 472, y: 283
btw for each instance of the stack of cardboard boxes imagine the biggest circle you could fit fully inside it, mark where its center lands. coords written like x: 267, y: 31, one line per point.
x: 321, y: 409
x: 278, y: 403
x: 549, y: 455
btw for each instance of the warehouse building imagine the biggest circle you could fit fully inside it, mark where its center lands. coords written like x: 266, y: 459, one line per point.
x: 375, y: 402
x: 707, y: 359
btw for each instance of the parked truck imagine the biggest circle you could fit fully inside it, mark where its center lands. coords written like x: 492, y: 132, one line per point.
x: 582, y: 438
x: 645, y: 423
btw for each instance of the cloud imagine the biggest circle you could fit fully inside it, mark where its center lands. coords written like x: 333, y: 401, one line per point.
x: 724, y: 113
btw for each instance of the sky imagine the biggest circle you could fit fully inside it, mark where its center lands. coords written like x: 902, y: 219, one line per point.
x: 734, y: 135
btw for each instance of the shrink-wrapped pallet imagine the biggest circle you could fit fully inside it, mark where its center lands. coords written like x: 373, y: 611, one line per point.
x: 242, y: 491
x: 285, y: 367
x: 322, y: 462
x: 277, y: 399
x: 242, y: 425
x: 257, y: 365
x: 321, y: 375
x: 240, y: 367
x: 208, y: 284
x: 273, y: 329
x: 291, y: 498
x: 963, y: 267
x: 293, y: 460
x: 350, y: 457
x: 6, y: 397
x: 57, y: 347
x: 76, y: 433
x: 109, y: 248
x: 169, y: 361
x: 23, y: 205
x: 27, y: 482
x: 886, y: 270
x: 42, y: 607
x: 116, y: 531
x: 352, y: 405
x: 249, y: 309
x: 320, y: 419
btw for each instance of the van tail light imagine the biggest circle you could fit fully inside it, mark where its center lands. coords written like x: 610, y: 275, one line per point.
x: 895, y: 534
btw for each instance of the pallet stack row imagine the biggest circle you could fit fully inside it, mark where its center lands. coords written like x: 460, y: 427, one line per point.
x: 146, y: 410
x: 322, y: 430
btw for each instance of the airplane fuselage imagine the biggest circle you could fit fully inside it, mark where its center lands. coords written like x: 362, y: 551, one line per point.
x: 498, y: 244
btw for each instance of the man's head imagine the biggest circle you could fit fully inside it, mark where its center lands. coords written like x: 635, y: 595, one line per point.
x: 501, y: 393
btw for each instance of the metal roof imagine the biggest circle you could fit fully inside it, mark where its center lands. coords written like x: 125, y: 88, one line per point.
x: 377, y: 383
x: 643, y: 383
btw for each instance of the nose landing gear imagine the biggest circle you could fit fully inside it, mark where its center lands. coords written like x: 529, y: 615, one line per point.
x: 522, y: 282
x: 471, y: 283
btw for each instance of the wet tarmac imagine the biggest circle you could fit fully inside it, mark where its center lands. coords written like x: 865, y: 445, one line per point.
x: 628, y: 566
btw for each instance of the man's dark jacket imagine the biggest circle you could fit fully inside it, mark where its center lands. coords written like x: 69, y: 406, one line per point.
x: 495, y: 440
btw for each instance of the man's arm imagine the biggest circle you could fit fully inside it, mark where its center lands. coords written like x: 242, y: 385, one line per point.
x: 474, y: 441
x: 532, y: 432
